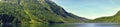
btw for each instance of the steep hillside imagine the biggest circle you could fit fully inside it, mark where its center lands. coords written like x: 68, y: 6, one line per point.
x: 35, y: 11
x: 110, y: 19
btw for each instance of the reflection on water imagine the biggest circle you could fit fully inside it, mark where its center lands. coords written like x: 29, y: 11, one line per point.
x: 6, y: 25
x: 62, y: 25
x: 10, y: 25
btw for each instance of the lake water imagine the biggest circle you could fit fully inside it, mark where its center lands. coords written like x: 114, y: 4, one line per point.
x: 63, y: 25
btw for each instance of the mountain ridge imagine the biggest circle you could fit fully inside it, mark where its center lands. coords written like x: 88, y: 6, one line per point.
x: 109, y: 19
x: 35, y: 11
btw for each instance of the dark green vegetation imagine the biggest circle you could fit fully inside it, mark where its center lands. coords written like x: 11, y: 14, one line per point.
x: 109, y: 19
x: 35, y: 11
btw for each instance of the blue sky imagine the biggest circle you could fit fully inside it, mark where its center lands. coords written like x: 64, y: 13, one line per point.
x: 90, y: 9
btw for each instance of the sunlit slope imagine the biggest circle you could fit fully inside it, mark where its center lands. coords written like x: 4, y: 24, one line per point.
x: 35, y: 11
x: 110, y: 19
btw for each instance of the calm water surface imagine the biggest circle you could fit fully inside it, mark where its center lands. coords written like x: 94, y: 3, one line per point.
x: 63, y: 25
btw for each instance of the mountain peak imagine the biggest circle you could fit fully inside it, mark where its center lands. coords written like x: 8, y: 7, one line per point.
x: 32, y: 11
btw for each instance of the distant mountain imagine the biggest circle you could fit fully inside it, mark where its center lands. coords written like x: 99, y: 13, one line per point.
x: 110, y: 19
x: 35, y: 11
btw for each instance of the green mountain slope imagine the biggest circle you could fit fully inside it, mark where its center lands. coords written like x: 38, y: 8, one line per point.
x: 35, y: 11
x: 110, y: 19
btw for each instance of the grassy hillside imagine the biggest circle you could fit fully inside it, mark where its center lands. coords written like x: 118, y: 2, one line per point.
x: 35, y: 11
x: 110, y: 19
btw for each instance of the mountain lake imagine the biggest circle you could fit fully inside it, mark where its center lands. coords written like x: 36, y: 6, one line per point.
x: 64, y: 25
